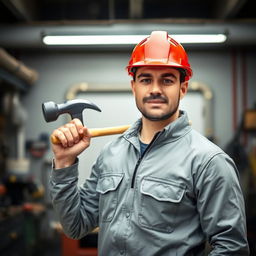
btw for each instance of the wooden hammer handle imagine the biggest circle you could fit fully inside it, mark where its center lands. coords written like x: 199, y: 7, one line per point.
x: 96, y: 132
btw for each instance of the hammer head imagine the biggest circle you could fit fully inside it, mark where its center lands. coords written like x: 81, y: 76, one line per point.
x: 51, y: 110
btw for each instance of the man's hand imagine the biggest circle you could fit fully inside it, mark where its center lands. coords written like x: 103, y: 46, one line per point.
x: 74, y: 139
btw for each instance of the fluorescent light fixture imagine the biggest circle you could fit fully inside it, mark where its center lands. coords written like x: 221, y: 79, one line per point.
x: 92, y: 40
x: 200, y: 38
x: 127, y: 39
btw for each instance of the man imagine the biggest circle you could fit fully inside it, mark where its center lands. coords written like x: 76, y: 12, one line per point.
x: 161, y: 188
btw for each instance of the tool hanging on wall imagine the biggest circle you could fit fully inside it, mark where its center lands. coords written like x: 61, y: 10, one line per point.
x: 51, y: 112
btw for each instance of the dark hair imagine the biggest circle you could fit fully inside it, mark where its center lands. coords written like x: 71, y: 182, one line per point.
x: 182, y: 74
x: 181, y: 70
x: 134, y: 70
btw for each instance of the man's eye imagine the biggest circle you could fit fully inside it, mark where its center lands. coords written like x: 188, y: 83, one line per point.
x: 145, y: 81
x: 167, y: 81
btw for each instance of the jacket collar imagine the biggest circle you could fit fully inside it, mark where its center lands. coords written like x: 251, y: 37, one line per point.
x: 171, y: 132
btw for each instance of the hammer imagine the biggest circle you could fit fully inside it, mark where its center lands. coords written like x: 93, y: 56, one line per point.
x: 74, y: 108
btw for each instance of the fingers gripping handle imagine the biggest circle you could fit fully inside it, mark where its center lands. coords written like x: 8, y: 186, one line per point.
x: 96, y: 132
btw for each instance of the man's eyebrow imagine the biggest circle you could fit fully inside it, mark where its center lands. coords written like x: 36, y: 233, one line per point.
x: 163, y: 75
x: 144, y: 75
x: 168, y: 74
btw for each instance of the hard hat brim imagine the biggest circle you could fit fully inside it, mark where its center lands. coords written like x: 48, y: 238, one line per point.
x: 188, y: 70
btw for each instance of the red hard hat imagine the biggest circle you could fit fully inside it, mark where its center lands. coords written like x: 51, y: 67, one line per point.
x: 159, y: 49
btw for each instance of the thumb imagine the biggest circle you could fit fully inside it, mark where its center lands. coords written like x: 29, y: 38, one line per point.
x: 86, y: 133
x: 83, y: 143
x: 85, y: 136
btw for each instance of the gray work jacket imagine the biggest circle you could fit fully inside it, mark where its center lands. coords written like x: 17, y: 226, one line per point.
x: 183, y: 191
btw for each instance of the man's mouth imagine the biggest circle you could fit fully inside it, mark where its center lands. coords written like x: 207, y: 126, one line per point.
x: 155, y: 101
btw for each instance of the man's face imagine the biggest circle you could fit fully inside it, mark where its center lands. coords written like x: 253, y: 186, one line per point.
x: 157, y: 92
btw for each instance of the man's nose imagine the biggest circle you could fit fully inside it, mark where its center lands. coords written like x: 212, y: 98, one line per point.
x: 155, y: 88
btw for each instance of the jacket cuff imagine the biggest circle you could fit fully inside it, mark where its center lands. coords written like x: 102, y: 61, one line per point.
x: 66, y: 174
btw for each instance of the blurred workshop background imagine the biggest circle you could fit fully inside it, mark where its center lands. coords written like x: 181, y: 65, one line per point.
x: 35, y: 67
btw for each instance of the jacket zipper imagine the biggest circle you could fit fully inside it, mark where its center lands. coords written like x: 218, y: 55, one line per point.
x: 140, y: 159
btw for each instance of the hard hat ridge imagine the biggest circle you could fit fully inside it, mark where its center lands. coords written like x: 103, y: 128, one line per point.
x: 156, y: 48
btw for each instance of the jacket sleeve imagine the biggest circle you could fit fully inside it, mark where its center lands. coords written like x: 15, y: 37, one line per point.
x: 76, y: 207
x: 220, y: 205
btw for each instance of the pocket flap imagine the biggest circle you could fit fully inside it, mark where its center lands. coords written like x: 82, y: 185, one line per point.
x: 108, y: 182
x: 162, y: 190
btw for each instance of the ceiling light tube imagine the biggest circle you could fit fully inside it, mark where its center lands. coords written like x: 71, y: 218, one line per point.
x: 127, y: 39
x: 200, y: 38
x: 92, y: 39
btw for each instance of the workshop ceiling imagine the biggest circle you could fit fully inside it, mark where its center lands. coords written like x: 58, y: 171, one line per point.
x: 23, y: 23
x: 31, y: 11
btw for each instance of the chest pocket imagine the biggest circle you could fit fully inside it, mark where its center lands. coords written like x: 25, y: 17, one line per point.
x: 108, y: 188
x: 160, y: 200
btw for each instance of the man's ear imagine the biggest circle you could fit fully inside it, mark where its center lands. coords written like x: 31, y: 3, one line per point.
x: 183, y: 89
